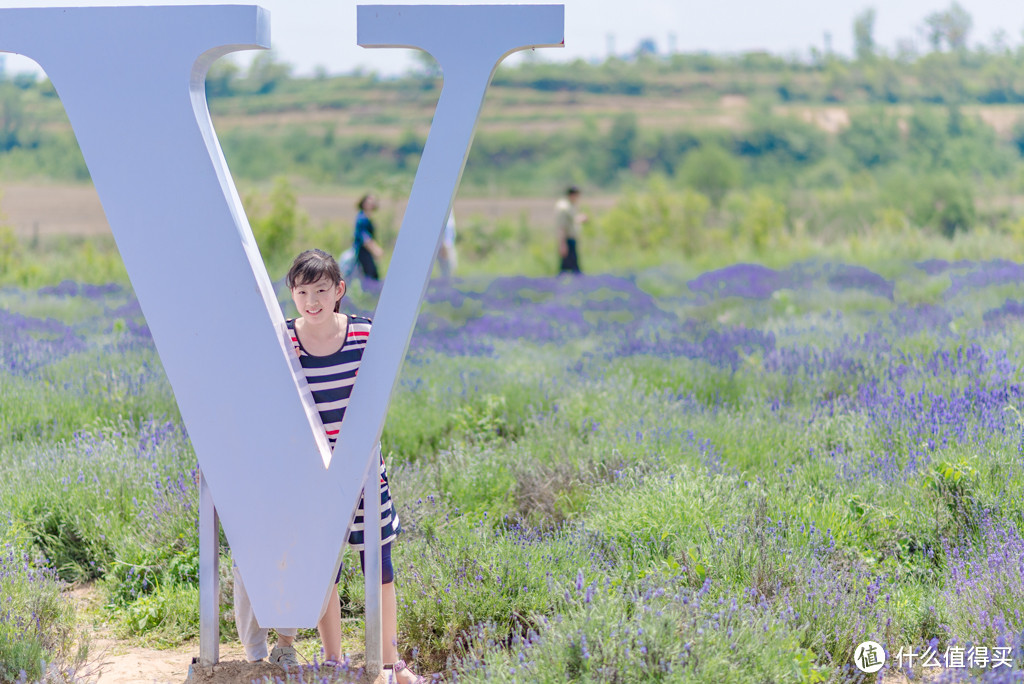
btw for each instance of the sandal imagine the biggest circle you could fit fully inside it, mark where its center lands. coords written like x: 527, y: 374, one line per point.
x: 285, y: 656
x: 402, y: 666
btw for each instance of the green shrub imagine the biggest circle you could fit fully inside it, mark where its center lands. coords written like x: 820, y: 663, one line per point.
x: 657, y: 218
x: 39, y: 630
x: 712, y: 171
x: 946, y: 203
x: 276, y: 227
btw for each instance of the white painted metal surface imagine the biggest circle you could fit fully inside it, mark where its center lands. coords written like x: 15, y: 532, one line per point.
x: 132, y: 82
x: 209, y: 577
x: 372, y: 576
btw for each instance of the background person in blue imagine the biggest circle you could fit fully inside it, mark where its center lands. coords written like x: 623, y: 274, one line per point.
x: 366, y: 247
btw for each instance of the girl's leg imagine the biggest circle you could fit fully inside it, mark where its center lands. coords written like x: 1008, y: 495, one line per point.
x: 389, y: 621
x: 389, y: 614
x: 330, y: 627
x: 389, y: 625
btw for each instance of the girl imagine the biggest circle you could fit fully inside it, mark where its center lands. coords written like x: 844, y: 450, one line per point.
x: 330, y: 346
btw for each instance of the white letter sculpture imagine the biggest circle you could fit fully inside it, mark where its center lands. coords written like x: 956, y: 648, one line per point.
x: 132, y: 82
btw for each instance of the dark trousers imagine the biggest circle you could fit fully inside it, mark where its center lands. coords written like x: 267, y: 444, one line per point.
x: 367, y: 263
x: 570, y: 262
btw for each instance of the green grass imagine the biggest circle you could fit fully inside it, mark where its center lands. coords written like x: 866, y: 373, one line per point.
x: 570, y: 513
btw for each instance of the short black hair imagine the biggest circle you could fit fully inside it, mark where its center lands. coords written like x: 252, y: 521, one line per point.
x: 311, y: 266
x: 572, y: 190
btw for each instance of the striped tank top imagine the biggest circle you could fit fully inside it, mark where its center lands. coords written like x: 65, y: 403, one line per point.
x: 330, y: 379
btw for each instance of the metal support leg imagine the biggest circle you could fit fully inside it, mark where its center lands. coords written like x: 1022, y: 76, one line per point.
x: 209, y: 577
x: 371, y: 540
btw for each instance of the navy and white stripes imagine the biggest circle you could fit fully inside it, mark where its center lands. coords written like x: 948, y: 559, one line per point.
x: 330, y: 379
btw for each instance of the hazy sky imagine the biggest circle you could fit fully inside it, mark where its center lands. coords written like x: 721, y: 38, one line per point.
x: 311, y: 33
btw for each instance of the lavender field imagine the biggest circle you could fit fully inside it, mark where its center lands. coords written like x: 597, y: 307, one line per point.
x: 731, y: 476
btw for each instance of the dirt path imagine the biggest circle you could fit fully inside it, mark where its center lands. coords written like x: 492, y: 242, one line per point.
x: 121, y: 664
x: 113, y: 661
x: 118, y: 662
x: 48, y: 210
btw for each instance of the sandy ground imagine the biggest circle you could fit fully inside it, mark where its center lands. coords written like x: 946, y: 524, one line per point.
x: 119, y: 662
x: 47, y: 210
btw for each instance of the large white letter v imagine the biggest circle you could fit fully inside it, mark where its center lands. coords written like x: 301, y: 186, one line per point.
x: 132, y: 82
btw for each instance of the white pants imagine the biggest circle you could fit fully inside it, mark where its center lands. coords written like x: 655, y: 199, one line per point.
x: 252, y: 636
x: 447, y: 260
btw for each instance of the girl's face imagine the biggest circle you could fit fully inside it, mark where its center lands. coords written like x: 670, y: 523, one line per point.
x: 315, y: 301
x: 370, y: 204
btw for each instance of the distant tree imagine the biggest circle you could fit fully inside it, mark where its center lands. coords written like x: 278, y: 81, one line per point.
x: 948, y: 28
x: 998, y: 80
x: 266, y: 73
x: 999, y: 43
x: 220, y: 79
x: 882, y: 80
x: 25, y: 80
x: 873, y: 137
x: 1017, y: 136
x: 426, y: 65
x: 927, y: 136
x: 958, y: 26
x: 934, y: 30
x: 785, y: 139
x: 668, y: 148
x: 622, y: 141
x: 864, y: 34
x: 12, y: 117
x: 46, y: 89
x: 946, y: 202
x: 276, y: 225
x: 409, y: 149
x: 712, y: 171
x: 939, y: 77
x: 838, y: 80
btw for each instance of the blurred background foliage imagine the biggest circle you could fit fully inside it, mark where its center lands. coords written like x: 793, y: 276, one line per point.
x: 697, y: 151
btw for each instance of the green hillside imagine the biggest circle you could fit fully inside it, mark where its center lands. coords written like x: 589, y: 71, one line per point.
x: 753, y: 154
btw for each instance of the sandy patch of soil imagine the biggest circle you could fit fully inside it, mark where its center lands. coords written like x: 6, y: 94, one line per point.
x: 1000, y: 117
x: 46, y: 210
x: 232, y: 671
x: 75, y: 210
x: 733, y: 101
x: 828, y: 119
x: 113, y: 661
